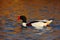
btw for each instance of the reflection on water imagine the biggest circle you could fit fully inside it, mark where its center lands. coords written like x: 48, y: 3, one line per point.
x: 12, y: 32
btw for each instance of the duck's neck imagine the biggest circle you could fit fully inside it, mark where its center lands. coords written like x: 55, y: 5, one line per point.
x: 24, y: 23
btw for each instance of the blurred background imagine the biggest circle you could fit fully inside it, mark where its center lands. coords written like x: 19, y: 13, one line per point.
x: 10, y: 28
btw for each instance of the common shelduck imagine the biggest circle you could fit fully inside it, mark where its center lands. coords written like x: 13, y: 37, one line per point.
x: 37, y: 24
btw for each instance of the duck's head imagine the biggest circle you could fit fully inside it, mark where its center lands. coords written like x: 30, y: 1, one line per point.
x: 23, y: 18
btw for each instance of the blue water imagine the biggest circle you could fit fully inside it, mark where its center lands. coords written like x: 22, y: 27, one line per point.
x: 28, y: 35
x: 57, y: 27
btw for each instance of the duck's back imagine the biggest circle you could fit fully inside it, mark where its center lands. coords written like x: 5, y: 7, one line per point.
x: 38, y: 25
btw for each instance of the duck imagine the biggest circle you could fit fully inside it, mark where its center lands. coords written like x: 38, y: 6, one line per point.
x: 37, y: 24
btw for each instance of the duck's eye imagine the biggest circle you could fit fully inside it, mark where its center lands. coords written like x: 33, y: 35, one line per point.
x: 44, y: 22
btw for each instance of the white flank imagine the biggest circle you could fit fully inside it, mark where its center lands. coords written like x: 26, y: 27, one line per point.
x: 41, y: 24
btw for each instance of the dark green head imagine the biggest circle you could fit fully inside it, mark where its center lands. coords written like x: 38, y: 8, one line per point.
x: 23, y: 18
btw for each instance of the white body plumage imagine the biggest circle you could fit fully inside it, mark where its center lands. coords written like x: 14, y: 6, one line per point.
x: 40, y: 24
